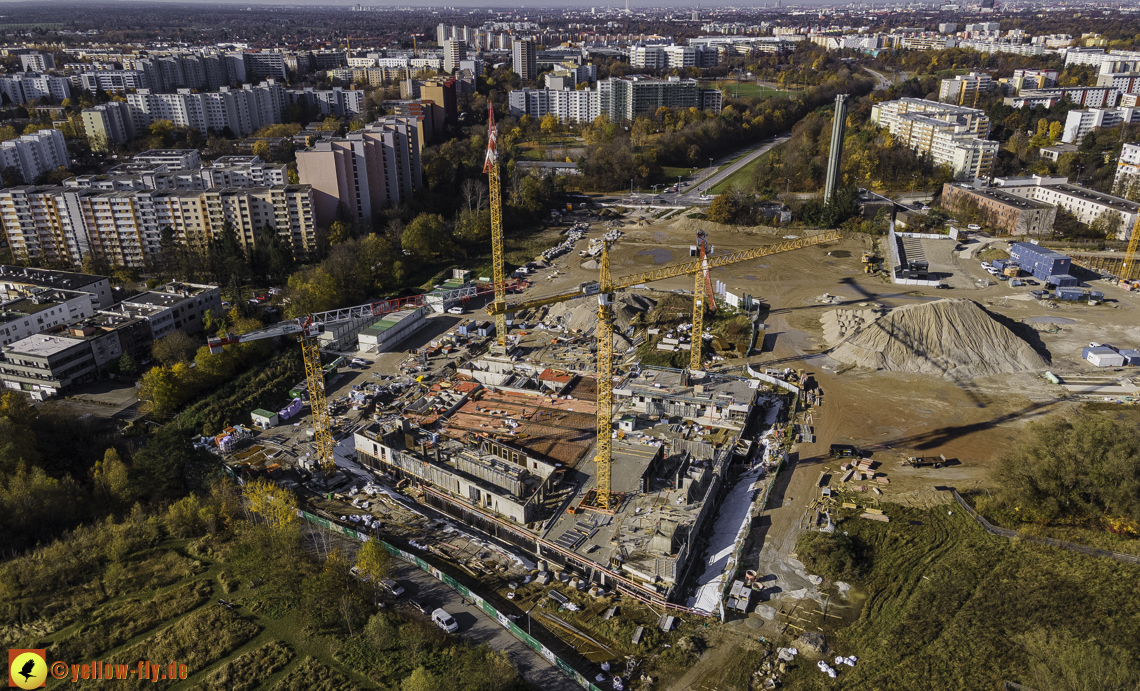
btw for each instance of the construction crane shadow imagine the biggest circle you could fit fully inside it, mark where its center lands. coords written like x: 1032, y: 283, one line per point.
x: 939, y: 437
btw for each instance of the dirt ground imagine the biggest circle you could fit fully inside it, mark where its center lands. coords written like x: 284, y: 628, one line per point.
x: 891, y: 415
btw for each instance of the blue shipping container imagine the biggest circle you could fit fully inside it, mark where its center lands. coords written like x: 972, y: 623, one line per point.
x: 1037, y: 260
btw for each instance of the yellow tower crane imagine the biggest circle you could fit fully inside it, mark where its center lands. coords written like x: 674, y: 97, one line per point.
x: 491, y: 168
x: 1128, y: 271
x: 310, y: 327
x: 604, y: 288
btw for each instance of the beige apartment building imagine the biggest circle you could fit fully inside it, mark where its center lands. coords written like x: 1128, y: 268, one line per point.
x: 63, y: 225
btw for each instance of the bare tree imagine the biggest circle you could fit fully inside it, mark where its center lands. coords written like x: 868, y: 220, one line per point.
x: 474, y: 194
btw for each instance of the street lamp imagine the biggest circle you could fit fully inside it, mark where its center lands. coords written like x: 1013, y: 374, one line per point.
x: 788, y: 189
x: 913, y: 180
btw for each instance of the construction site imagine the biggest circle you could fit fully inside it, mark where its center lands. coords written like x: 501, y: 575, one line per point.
x: 653, y: 412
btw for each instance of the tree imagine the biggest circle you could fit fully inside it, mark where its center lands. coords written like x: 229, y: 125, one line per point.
x: 260, y: 149
x: 549, y: 123
x: 1107, y: 225
x: 127, y: 365
x: 1084, y: 468
x: 420, y: 680
x: 427, y: 237
x: 169, y: 466
x: 174, y: 348
x: 373, y: 561
x: 111, y: 478
x: 339, y: 232
x: 276, y: 506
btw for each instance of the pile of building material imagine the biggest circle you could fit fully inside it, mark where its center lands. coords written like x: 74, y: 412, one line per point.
x: 839, y: 324
x: 955, y: 338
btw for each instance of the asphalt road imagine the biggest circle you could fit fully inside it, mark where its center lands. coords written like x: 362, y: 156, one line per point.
x: 883, y: 84
x: 480, y: 628
x: 693, y: 194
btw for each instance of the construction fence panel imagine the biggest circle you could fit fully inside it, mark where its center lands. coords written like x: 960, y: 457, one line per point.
x: 531, y: 642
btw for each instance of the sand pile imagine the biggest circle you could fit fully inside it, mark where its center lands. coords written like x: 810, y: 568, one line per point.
x: 583, y: 315
x: 839, y: 324
x: 948, y: 337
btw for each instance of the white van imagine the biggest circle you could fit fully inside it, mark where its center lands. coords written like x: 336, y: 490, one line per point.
x: 444, y: 620
x: 392, y: 587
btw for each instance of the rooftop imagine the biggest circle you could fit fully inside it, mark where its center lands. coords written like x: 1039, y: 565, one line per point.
x: 41, y: 345
x: 1006, y: 198
x: 47, y: 278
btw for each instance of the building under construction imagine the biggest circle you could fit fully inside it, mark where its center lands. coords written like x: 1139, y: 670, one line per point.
x: 508, y: 446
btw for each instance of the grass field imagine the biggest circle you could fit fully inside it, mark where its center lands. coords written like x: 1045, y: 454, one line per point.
x: 951, y: 607
x: 741, y: 177
x: 749, y: 89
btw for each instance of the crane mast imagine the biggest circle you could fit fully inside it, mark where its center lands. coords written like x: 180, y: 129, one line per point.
x: 491, y: 168
x: 318, y: 403
x: 604, y: 331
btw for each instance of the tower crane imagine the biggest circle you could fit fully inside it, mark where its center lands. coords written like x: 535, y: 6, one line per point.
x: 491, y: 168
x: 1129, y: 271
x: 604, y: 289
x: 310, y: 327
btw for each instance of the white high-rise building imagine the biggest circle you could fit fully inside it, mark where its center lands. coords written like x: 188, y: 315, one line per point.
x: 34, y: 154
x: 454, y: 52
x: 524, y: 59
x: 23, y: 87
x: 1127, y: 182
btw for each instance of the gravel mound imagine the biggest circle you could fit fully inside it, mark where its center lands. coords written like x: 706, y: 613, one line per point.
x: 839, y: 324
x: 954, y: 338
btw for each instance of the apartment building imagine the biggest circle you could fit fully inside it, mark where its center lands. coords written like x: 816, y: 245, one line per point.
x: 1127, y: 181
x: 43, y: 309
x: 1010, y: 213
x: 343, y: 103
x: 1098, y: 56
x: 951, y: 135
x: 625, y: 98
x: 454, y: 51
x: 108, y: 125
x: 227, y: 171
x: 524, y: 59
x: 570, y: 106
x: 241, y: 111
x: 37, y: 62
x: 1031, y: 79
x: 47, y: 365
x: 1078, y: 123
x: 672, y: 56
x: 569, y: 75
x: 113, y: 81
x: 176, y: 306
x: 964, y: 89
x: 1087, y: 205
x: 34, y: 154
x: 1091, y: 96
x: 170, y: 159
x: 24, y: 87
x: 370, y: 167
x: 24, y: 281
x: 125, y: 227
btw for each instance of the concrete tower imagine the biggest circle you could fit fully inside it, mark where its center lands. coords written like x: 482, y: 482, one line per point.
x: 838, y: 127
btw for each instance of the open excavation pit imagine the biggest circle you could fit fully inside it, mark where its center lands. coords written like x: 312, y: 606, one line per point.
x: 955, y: 338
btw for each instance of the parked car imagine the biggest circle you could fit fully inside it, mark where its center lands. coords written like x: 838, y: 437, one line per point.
x: 421, y: 607
x: 973, y: 226
x: 392, y: 587
x: 942, y: 286
x: 455, y: 310
x: 444, y: 620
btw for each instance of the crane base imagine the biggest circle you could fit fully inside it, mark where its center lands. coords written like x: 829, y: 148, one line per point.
x: 590, y: 503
